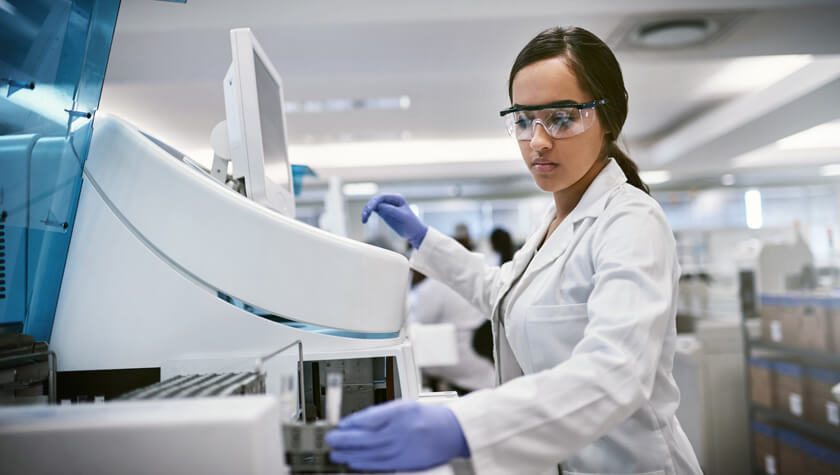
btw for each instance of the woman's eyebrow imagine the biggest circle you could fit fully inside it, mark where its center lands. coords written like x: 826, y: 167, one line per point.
x: 561, y: 102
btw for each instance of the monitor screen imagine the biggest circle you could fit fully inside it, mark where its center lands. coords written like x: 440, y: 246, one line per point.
x: 271, y: 121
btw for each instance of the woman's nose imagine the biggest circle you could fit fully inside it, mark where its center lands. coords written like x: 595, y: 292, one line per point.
x: 541, y: 140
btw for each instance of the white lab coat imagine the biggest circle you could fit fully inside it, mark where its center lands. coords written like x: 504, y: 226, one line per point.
x: 589, y: 319
x: 432, y: 302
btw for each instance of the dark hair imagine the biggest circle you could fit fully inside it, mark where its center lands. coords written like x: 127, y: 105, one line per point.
x: 598, y: 73
x: 465, y: 241
x: 502, y: 243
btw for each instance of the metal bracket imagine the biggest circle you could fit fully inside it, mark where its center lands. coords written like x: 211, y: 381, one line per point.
x: 260, y: 363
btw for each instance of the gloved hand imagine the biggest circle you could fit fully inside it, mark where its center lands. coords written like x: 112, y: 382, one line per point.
x: 395, y: 211
x: 397, y: 436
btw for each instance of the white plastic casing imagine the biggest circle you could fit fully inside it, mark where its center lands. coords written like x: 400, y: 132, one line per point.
x: 176, y: 436
x: 156, y: 240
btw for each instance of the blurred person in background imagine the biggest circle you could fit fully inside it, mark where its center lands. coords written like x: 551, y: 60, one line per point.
x: 433, y: 302
x: 502, y: 244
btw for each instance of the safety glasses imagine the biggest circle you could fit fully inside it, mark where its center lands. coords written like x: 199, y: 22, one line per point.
x: 560, y: 120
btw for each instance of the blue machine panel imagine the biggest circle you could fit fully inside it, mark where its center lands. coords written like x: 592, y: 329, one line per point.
x: 53, y: 55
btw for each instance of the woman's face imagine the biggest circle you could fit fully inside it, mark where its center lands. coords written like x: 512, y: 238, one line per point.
x: 556, y: 164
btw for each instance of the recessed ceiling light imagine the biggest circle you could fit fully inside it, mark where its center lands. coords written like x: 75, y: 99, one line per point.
x: 752, y: 203
x: 727, y: 179
x: 404, y: 152
x: 360, y: 189
x: 338, y: 105
x: 830, y: 170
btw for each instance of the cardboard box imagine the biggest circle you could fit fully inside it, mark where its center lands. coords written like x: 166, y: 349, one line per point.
x: 814, y: 315
x: 833, y: 304
x: 789, y: 388
x: 791, y: 319
x: 822, y: 406
x: 780, y: 319
x: 765, y: 447
x: 821, y: 460
x: 771, y: 318
x: 762, y: 382
x: 792, y: 456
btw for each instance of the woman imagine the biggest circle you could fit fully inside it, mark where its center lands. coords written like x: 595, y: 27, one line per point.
x: 583, y: 316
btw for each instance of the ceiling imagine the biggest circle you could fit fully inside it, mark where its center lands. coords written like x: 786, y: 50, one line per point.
x: 692, y: 109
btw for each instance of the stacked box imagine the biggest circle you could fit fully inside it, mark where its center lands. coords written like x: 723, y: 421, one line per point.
x: 789, y: 388
x: 765, y: 447
x: 792, y: 456
x: 762, y: 382
x: 821, y: 460
x: 822, y: 406
x: 791, y: 319
x: 771, y: 318
x: 814, y: 315
x: 780, y: 319
x: 833, y: 304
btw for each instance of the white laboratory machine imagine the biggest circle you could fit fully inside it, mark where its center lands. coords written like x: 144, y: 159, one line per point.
x: 184, y: 274
x: 170, y: 268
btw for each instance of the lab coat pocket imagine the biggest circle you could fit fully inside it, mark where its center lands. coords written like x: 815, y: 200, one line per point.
x: 553, y: 331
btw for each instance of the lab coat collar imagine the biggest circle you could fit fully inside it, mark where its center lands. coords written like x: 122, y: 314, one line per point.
x: 594, y: 199
x: 591, y: 204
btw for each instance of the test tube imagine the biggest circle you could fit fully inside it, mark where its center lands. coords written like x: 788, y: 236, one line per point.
x: 289, y: 397
x: 335, y: 384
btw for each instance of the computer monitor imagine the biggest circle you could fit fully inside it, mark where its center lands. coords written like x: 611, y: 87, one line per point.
x: 256, y: 125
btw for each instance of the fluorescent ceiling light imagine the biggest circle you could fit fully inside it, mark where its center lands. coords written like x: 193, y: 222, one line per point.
x: 403, y: 152
x: 773, y: 156
x: 340, y: 105
x: 752, y: 203
x: 825, y: 135
x: 727, y: 179
x: 360, y: 189
x: 830, y: 170
x: 655, y: 177
x: 753, y: 72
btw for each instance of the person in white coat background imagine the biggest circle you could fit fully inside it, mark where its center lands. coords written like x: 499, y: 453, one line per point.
x: 433, y: 302
x: 583, y: 316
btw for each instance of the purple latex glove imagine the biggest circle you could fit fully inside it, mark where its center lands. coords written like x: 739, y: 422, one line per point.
x: 395, y: 211
x: 398, y: 436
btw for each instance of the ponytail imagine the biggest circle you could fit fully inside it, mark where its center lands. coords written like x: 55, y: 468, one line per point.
x: 628, y: 166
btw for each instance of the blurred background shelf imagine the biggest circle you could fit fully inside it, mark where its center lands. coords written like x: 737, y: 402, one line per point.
x: 804, y: 426
x: 818, y: 357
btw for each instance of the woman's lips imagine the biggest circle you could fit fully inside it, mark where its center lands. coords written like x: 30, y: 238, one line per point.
x: 542, y: 166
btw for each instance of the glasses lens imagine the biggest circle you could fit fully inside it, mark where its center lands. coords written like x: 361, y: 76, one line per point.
x: 559, y: 123
x: 519, y: 125
x: 562, y: 123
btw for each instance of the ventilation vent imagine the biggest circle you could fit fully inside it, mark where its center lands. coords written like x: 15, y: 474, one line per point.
x: 672, y: 31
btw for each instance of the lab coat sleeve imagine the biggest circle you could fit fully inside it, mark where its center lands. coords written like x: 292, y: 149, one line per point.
x: 446, y: 260
x: 534, y: 422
